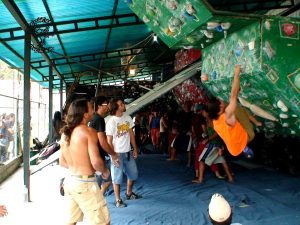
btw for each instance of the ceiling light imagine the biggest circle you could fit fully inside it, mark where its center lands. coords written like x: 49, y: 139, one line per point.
x: 131, y: 72
x: 154, y: 38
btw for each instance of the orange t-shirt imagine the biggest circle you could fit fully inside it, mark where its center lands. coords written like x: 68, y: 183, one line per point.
x: 234, y: 137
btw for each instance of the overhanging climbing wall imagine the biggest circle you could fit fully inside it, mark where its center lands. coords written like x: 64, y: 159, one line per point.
x: 187, y: 23
x: 267, y: 47
x: 269, y: 52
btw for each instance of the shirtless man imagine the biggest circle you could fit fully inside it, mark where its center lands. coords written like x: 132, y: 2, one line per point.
x: 80, y: 154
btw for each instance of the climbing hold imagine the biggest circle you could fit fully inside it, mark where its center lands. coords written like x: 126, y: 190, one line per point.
x: 289, y: 29
x: 283, y: 116
x: 212, y: 25
x: 282, y: 106
x: 285, y: 125
x: 257, y: 110
x: 297, y: 81
x: 225, y: 26
x: 269, y: 50
x: 146, y: 19
x: 204, y: 77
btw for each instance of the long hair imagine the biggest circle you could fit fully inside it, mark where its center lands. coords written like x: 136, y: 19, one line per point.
x: 213, y: 108
x: 57, y: 124
x: 74, y: 117
x: 114, y: 106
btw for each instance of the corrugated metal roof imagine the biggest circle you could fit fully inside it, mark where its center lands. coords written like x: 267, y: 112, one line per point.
x: 86, y: 36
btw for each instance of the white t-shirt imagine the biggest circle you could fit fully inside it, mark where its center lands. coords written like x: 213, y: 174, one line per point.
x: 119, y: 127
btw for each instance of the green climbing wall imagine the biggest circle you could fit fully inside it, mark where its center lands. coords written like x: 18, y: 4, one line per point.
x: 269, y: 52
x: 268, y: 48
x: 186, y: 23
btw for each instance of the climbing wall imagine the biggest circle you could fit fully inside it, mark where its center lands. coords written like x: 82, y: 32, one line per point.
x: 186, y: 24
x: 268, y: 48
x: 269, y: 53
x: 191, y: 90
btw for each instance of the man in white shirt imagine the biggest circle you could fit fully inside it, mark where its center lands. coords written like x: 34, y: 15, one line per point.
x: 119, y: 136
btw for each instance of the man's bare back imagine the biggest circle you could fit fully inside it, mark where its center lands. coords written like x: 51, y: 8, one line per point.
x: 81, y: 154
x: 76, y: 153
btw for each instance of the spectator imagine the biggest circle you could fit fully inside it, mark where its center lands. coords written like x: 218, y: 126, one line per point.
x: 137, y: 130
x: 119, y: 136
x: 57, y: 124
x: 219, y: 210
x: 4, y: 139
x: 10, y: 122
x: 163, y: 133
x: 154, y: 128
x: 80, y: 155
x: 98, y: 123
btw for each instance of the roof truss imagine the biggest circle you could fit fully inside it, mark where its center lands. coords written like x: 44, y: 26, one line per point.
x: 96, y: 56
x: 251, y: 5
x: 87, y: 24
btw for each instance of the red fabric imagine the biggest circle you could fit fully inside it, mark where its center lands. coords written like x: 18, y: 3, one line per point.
x: 171, y: 137
x: 190, y: 91
x: 155, y: 136
x: 185, y: 57
x: 194, y: 54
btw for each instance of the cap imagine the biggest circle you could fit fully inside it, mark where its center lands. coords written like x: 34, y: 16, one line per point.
x: 219, y: 209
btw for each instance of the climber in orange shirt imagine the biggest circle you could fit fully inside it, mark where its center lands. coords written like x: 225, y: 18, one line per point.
x: 225, y: 121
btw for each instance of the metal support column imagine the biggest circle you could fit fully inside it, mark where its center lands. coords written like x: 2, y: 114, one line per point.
x: 61, y: 98
x: 50, y: 103
x: 26, y: 116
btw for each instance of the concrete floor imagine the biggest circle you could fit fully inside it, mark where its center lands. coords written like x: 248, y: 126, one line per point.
x: 265, y: 191
x: 46, y: 206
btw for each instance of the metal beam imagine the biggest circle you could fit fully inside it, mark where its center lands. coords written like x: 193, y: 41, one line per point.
x: 77, y: 25
x: 250, y: 5
x: 93, y: 80
x: 16, y: 13
x: 20, y: 57
x: 163, y: 88
x: 55, y: 29
x: 100, y: 75
x: 141, y: 65
x: 97, y: 56
x: 61, y: 97
x: 26, y: 116
x: 291, y: 10
x: 50, y: 102
x: 118, y: 76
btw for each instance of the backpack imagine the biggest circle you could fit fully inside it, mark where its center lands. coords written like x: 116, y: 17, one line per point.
x: 49, y: 150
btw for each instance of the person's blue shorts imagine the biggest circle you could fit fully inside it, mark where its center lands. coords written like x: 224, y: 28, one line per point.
x: 127, y: 165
